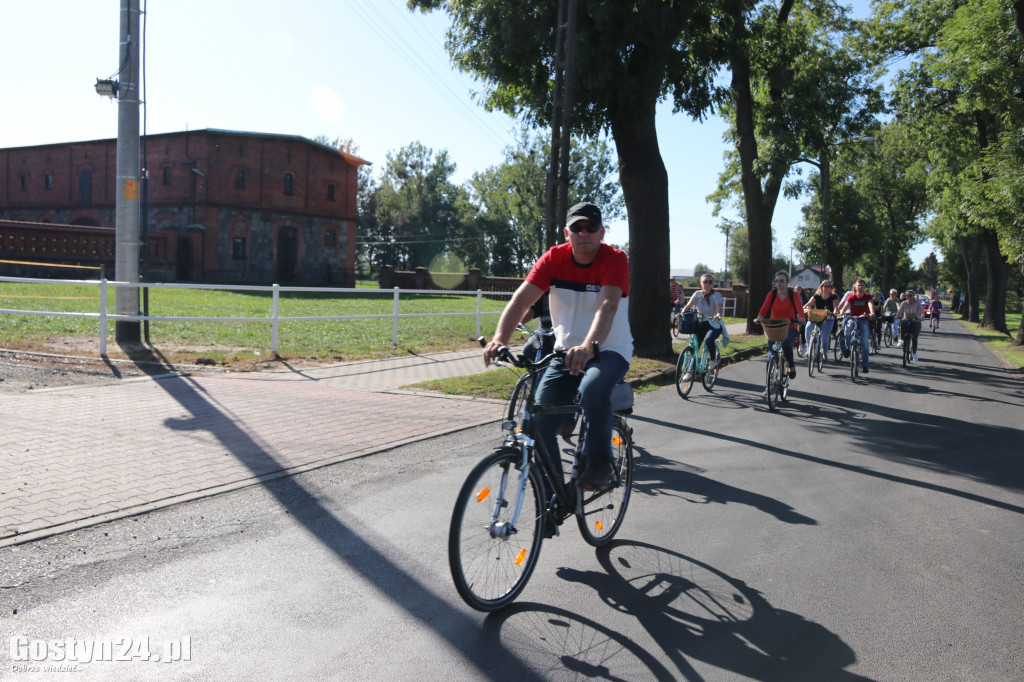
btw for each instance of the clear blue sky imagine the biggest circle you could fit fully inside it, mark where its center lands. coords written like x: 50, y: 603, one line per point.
x: 369, y: 70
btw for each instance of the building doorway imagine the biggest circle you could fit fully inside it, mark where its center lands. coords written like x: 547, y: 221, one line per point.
x: 287, y: 254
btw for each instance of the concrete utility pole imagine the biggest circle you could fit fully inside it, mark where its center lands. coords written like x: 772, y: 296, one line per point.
x: 561, y: 122
x: 126, y: 189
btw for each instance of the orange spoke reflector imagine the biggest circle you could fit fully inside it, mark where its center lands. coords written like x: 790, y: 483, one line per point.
x: 599, y: 526
x: 521, y: 557
x: 483, y: 494
x: 617, y: 440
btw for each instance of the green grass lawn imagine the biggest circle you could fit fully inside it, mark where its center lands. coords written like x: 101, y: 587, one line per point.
x: 232, y: 341
x: 1000, y: 343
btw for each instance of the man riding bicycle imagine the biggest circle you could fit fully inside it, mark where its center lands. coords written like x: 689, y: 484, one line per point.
x: 589, y: 285
x: 935, y: 309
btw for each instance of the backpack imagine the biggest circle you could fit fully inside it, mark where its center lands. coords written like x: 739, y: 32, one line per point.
x: 775, y: 297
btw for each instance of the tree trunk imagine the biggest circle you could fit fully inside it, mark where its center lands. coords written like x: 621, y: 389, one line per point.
x: 1019, y: 341
x: 644, y: 182
x: 759, y: 230
x: 971, y: 248
x: 998, y: 277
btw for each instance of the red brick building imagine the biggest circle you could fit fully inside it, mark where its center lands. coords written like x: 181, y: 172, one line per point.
x: 223, y: 207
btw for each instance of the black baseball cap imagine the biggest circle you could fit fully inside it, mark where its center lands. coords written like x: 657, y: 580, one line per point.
x: 584, y: 211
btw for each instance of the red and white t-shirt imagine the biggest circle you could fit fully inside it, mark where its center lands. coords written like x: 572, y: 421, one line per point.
x: 575, y: 295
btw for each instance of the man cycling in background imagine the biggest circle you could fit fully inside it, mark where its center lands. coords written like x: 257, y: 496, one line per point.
x: 910, y: 313
x: 935, y: 309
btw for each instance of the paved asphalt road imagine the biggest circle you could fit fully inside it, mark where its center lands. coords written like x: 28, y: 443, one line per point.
x: 865, y: 531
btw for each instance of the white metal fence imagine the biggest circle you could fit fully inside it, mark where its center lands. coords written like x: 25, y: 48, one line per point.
x: 275, y: 318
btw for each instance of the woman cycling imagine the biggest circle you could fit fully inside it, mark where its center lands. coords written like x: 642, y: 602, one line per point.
x: 911, y: 312
x: 857, y: 304
x: 824, y: 298
x: 709, y: 303
x: 780, y: 304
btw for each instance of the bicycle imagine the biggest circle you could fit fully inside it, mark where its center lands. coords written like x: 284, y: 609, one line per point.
x: 501, y: 516
x: 887, y: 335
x: 777, y: 372
x: 692, y: 363
x: 907, y: 336
x: 838, y: 342
x: 527, y: 382
x: 934, y: 323
x: 856, y: 350
x: 815, y: 354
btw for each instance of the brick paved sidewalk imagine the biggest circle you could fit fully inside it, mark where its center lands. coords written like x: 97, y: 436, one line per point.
x: 79, y: 456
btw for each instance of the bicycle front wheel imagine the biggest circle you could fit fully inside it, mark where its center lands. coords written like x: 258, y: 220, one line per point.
x: 707, y: 379
x: 812, y: 356
x: 601, y: 511
x: 686, y: 367
x: 773, y: 386
x: 887, y: 336
x: 491, y: 558
x: 906, y: 350
x: 518, y: 402
x: 854, y: 361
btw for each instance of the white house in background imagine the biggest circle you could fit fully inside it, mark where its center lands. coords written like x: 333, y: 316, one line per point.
x: 807, y: 276
x: 681, y: 273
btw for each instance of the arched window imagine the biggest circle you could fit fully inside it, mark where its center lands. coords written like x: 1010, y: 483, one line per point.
x: 289, y: 184
x: 240, y: 179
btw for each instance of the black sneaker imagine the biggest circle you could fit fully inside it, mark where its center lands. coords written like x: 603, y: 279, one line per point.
x: 598, y: 475
x: 846, y: 352
x: 792, y: 374
x: 865, y: 370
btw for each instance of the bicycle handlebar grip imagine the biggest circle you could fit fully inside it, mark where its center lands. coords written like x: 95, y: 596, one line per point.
x: 482, y: 341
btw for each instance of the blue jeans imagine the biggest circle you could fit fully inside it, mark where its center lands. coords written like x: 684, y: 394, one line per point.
x: 592, y: 389
x: 864, y: 332
x: 787, y: 347
x: 710, y: 333
x: 826, y: 333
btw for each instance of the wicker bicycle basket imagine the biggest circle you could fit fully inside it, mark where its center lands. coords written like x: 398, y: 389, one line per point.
x: 775, y: 330
x: 817, y: 314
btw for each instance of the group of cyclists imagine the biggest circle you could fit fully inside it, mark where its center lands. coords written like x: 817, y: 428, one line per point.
x: 863, y: 314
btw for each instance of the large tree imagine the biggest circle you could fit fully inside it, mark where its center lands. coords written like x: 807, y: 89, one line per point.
x: 628, y: 57
x: 796, y: 91
x: 418, y: 212
x: 510, y: 197
x: 964, y: 89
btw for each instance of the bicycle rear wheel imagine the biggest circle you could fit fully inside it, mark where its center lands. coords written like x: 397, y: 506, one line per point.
x: 490, y: 559
x: 772, y: 383
x: 601, y: 511
x: 685, y: 365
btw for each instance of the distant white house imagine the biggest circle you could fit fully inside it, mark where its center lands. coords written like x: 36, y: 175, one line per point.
x: 807, y: 276
x: 681, y: 273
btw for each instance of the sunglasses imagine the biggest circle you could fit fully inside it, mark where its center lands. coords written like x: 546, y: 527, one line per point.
x: 781, y: 280
x: 826, y: 286
x: 591, y: 228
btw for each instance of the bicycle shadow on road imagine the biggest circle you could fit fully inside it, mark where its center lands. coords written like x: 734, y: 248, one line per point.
x: 661, y: 476
x: 371, y: 558
x: 691, y: 611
